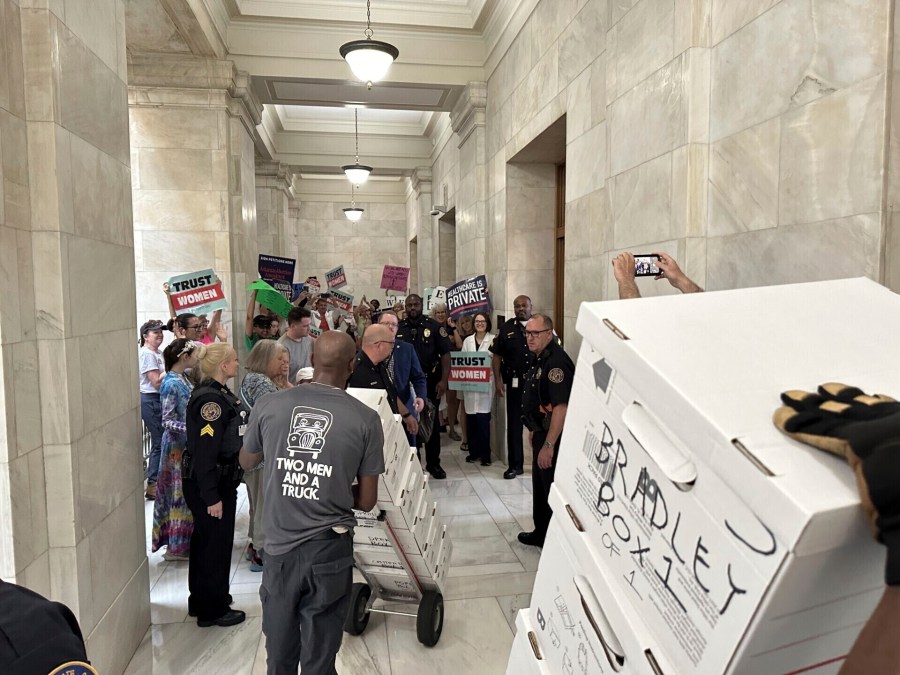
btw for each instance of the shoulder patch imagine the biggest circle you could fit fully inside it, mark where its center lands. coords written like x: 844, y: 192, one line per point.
x: 443, y: 332
x: 556, y: 375
x: 211, y: 412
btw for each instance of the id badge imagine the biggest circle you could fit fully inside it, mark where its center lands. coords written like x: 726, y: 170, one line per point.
x: 515, y: 383
x: 242, y: 428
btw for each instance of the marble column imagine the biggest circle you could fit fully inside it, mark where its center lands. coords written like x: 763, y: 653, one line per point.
x: 194, y: 181
x: 468, y: 122
x: 274, y: 193
x: 421, y: 225
x: 71, y: 485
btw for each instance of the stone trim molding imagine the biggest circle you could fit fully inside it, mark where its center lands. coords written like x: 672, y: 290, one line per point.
x: 469, y: 112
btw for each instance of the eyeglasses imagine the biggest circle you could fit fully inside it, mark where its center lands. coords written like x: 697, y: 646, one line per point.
x: 481, y: 321
x: 535, y: 333
x: 196, y: 326
x: 383, y: 342
x: 389, y: 323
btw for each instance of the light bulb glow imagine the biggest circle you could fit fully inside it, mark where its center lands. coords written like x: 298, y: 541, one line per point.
x: 369, y: 59
x: 357, y: 173
x: 353, y: 213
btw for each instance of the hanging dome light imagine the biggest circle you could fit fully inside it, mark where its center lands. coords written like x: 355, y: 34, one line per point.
x: 369, y: 59
x: 353, y: 212
x: 356, y: 173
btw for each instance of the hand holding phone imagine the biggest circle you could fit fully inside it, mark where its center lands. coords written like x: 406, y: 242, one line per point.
x: 646, y: 265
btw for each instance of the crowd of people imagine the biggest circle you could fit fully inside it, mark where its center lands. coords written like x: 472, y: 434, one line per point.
x: 206, y: 439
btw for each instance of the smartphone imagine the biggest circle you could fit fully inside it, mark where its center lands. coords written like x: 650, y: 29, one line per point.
x: 646, y: 265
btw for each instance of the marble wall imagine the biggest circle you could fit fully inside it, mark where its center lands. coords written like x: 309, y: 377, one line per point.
x: 194, y: 179
x: 326, y: 239
x: 71, y: 489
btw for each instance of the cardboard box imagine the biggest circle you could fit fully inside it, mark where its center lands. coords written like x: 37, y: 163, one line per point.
x: 378, y: 535
x: 428, y: 517
x: 376, y: 399
x: 378, y: 556
x: 712, y: 524
x: 392, y: 584
x: 525, y: 658
x: 399, y: 466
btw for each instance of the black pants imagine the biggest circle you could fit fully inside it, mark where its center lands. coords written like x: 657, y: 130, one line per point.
x: 478, y: 430
x: 211, y: 543
x: 433, y: 444
x: 541, y: 480
x: 305, y: 596
x: 514, y: 428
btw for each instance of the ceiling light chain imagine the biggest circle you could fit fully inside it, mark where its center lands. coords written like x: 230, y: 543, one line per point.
x: 368, y: 31
x: 353, y: 212
x: 356, y: 173
x: 356, y: 131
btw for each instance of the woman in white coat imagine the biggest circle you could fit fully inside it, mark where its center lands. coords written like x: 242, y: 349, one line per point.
x: 478, y: 404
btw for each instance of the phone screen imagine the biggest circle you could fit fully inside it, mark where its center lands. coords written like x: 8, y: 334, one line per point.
x: 646, y: 265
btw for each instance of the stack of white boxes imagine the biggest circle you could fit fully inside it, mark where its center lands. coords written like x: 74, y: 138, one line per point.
x: 689, y: 535
x: 409, y: 512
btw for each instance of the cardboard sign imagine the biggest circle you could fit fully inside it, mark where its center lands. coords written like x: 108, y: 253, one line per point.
x: 278, y: 273
x: 336, y: 278
x: 468, y: 296
x: 198, y: 292
x: 470, y: 371
x: 314, y: 331
x: 392, y: 300
x: 434, y: 296
x: 395, y: 278
x: 341, y: 301
x: 296, y: 290
x: 313, y: 285
x: 267, y: 296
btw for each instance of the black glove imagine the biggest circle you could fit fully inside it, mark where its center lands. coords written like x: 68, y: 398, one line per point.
x: 864, y: 430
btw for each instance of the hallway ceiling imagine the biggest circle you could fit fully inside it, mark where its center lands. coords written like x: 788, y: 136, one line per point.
x: 290, y: 48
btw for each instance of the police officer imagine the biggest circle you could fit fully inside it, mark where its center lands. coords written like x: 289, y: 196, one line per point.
x: 215, y: 423
x: 433, y: 348
x: 510, y: 363
x: 544, y: 402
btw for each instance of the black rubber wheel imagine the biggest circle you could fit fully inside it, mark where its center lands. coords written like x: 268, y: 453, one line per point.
x: 357, y: 614
x: 430, y: 619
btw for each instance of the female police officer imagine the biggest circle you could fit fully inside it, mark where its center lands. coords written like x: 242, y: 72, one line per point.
x: 215, y: 423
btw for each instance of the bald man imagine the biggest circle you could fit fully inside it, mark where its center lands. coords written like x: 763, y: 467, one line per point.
x: 316, y: 439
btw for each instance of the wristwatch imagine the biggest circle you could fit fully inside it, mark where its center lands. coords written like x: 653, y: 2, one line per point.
x: 548, y: 444
x: 405, y: 415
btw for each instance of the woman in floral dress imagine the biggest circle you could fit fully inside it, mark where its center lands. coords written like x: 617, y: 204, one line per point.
x: 172, y: 519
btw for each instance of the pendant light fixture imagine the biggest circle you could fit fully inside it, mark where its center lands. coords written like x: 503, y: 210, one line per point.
x: 353, y: 212
x: 369, y: 59
x: 357, y: 173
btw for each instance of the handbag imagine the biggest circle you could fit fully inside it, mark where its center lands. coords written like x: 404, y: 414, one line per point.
x: 426, y: 421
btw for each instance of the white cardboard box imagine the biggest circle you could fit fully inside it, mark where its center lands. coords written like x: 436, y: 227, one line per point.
x: 715, y: 523
x: 525, y: 658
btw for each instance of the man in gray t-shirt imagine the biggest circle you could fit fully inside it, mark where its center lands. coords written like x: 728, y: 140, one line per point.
x: 316, y: 439
x: 297, y: 340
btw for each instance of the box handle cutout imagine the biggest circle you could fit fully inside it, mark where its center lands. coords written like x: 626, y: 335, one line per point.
x: 597, y: 618
x: 532, y: 638
x: 654, y: 664
x: 575, y: 521
x: 656, y: 443
x: 615, y: 329
x: 754, y: 460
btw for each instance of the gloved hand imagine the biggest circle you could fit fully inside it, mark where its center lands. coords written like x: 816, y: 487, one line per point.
x: 864, y: 430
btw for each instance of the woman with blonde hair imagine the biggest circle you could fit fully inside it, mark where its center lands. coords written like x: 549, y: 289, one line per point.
x: 268, y: 366
x: 215, y: 419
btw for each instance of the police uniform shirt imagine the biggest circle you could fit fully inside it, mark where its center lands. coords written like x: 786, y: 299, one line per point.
x: 549, y: 381
x: 213, y: 434
x: 511, y: 346
x: 315, y: 441
x: 368, y: 375
x: 430, y: 340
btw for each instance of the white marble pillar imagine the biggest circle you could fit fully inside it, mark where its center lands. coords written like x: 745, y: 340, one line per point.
x: 421, y: 226
x: 274, y: 194
x: 71, y: 485
x: 194, y: 181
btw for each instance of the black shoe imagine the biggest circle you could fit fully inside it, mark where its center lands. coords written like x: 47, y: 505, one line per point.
x: 519, y: 472
x: 193, y: 612
x: 436, y: 472
x: 485, y: 462
x: 531, y: 539
x: 470, y: 459
x: 230, y: 618
x: 509, y: 474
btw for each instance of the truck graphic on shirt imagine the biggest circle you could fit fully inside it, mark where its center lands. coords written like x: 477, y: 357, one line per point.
x: 309, y: 426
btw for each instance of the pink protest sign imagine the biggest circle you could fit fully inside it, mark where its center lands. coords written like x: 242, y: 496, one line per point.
x: 395, y: 278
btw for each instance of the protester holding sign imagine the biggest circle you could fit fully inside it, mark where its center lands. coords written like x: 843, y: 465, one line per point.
x: 468, y: 296
x: 478, y: 404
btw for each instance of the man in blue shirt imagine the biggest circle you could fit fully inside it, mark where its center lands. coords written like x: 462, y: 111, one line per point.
x: 405, y: 370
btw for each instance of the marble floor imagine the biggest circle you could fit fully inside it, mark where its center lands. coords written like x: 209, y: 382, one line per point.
x: 491, y: 578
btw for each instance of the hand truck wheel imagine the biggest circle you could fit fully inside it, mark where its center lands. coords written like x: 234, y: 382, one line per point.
x: 357, y: 614
x: 430, y: 618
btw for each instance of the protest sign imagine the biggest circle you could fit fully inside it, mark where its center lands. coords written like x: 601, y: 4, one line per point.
x: 391, y: 300
x: 198, y: 292
x: 434, y: 296
x: 336, y: 278
x: 296, y: 290
x: 395, y: 278
x: 470, y: 371
x: 269, y: 297
x: 341, y: 301
x: 278, y: 273
x: 314, y: 331
x: 468, y: 296
x: 313, y: 285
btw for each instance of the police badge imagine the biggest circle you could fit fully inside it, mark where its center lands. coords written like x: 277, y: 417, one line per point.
x: 427, y: 332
